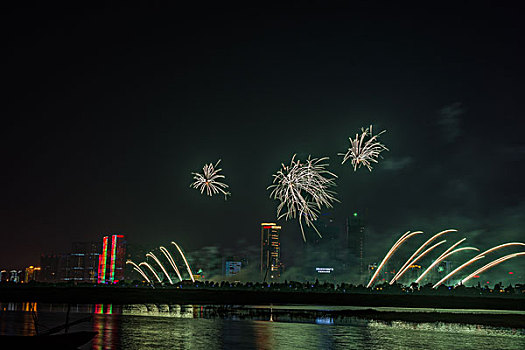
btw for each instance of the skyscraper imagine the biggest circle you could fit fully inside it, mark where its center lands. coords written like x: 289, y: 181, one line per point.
x: 271, y: 265
x: 355, y: 235
x: 112, y: 260
x: 81, y: 264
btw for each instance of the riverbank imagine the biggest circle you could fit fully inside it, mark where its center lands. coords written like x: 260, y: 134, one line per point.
x: 327, y: 315
x: 130, y: 295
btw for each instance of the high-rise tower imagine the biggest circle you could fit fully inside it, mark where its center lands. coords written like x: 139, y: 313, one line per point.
x: 355, y: 235
x: 112, y: 260
x: 271, y: 265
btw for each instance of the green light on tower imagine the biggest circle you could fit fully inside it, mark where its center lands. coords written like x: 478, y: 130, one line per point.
x: 355, y: 214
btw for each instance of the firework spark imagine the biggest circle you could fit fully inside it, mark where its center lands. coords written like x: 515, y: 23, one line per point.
x: 461, y: 267
x: 504, y: 245
x: 411, y: 259
x: 402, y: 272
x: 491, y: 264
x: 365, y: 149
x: 396, y: 245
x: 443, y: 256
x: 171, y: 261
x: 209, y: 180
x: 303, y: 188
x: 477, y: 257
x: 186, y: 261
x: 139, y: 270
x: 151, y: 269
x: 151, y: 255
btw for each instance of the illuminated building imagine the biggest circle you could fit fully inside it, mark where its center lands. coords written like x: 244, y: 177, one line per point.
x: 112, y: 260
x: 14, y: 276
x: 4, y: 276
x: 271, y: 265
x: 32, y: 274
x: 80, y: 265
x: 355, y: 236
x: 82, y: 262
x: 233, y: 265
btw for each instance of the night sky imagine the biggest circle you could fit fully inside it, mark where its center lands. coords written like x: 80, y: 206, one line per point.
x: 107, y: 112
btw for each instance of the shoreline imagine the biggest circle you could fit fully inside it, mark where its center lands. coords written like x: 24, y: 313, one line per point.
x: 319, y: 314
x: 125, y: 295
x: 340, y: 317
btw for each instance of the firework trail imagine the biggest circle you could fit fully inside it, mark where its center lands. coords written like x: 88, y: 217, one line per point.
x: 490, y: 265
x: 442, y: 257
x: 396, y: 245
x: 208, y: 180
x: 409, y: 261
x: 151, y: 255
x: 504, y: 245
x: 474, y: 259
x: 402, y: 272
x: 151, y: 269
x: 365, y: 149
x: 303, y: 189
x: 139, y: 270
x: 172, y: 262
x: 186, y: 261
x: 477, y: 257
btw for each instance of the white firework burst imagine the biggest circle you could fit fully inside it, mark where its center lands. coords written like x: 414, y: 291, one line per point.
x: 208, y: 180
x: 364, y: 149
x: 303, y: 189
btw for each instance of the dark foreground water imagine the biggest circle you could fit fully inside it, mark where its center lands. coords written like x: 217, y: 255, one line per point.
x: 196, y: 327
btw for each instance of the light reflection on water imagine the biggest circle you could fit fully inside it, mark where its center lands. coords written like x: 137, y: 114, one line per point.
x: 149, y: 326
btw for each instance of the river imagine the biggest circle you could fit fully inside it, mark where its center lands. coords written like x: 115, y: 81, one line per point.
x: 198, y: 327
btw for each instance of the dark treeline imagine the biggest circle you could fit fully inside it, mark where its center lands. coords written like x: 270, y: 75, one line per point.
x: 287, y: 292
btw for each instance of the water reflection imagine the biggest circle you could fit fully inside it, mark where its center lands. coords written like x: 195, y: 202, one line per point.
x: 164, y: 310
x: 27, y: 307
x: 25, y: 325
x: 163, y: 326
x: 106, y: 322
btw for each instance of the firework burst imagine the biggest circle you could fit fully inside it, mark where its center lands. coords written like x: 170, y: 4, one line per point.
x: 364, y: 149
x: 303, y: 188
x: 209, y: 180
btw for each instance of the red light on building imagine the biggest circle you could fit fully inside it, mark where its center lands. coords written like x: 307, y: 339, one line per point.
x: 475, y: 276
x: 271, y: 264
x: 112, y: 259
x: 511, y: 273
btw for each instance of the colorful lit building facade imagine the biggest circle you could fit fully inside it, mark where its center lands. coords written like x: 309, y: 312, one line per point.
x: 271, y: 264
x: 112, y: 260
x: 32, y: 274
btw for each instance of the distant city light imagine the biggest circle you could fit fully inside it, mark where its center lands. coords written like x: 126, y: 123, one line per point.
x: 324, y: 269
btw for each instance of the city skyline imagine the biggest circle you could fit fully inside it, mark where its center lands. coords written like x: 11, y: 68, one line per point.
x: 309, y: 175
x: 109, y: 115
